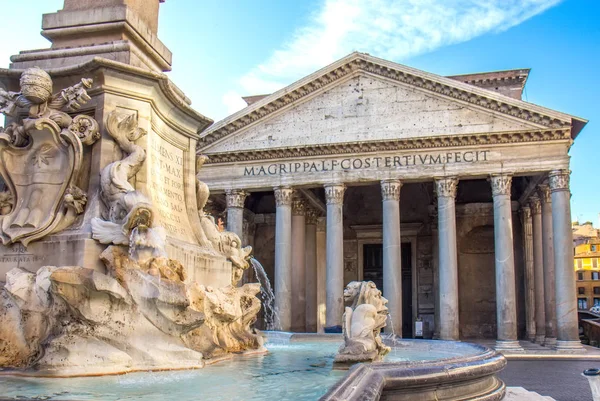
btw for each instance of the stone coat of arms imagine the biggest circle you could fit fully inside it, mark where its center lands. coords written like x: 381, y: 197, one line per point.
x: 41, y: 159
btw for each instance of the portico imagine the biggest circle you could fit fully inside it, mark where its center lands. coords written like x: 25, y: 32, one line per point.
x: 420, y: 180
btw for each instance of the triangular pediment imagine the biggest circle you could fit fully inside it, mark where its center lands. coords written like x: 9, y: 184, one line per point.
x: 364, y: 99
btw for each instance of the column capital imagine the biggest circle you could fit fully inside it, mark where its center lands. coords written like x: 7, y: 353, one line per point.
x: 544, y: 193
x: 235, y: 197
x: 312, y: 216
x: 559, y: 180
x: 321, y: 224
x: 334, y: 193
x: 446, y: 187
x: 501, y: 184
x: 525, y: 212
x: 283, y: 196
x: 390, y: 189
x: 535, y: 204
x: 299, y: 207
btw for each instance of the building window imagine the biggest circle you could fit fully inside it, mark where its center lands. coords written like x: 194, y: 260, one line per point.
x: 581, y: 290
x: 596, y: 290
x: 596, y: 301
x: 595, y: 263
x: 582, y: 303
x: 580, y: 276
x: 593, y: 248
x: 579, y: 263
x: 595, y: 276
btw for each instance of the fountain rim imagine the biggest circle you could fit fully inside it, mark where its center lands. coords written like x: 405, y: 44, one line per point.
x: 368, y: 381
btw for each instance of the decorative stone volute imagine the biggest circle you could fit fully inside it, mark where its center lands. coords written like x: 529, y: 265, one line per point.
x: 559, y: 180
x: 446, y: 187
x: 283, y: 196
x: 235, y: 198
x: 390, y: 190
x: 501, y: 184
x: 334, y: 194
x: 535, y: 204
x: 544, y: 193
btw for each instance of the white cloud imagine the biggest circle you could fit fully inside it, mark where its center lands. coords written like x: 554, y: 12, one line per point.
x: 233, y: 101
x: 390, y: 29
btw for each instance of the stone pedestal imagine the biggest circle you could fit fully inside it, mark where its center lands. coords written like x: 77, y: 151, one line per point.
x: 283, y: 256
x: 392, y: 266
x: 506, y: 311
x: 334, y: 194
x: 448, y: 264
x: 566, y: 298
x: 298, y: 265
x: 538, y: 269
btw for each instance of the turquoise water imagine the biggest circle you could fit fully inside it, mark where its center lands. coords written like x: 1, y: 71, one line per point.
x: 297, y: 371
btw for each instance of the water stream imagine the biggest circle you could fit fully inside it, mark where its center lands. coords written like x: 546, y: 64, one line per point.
x: 268, y: 297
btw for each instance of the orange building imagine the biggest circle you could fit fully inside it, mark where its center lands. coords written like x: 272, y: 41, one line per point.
x: 587, y: 267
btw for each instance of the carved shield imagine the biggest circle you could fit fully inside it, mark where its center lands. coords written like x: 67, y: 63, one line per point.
x: 38, y: 175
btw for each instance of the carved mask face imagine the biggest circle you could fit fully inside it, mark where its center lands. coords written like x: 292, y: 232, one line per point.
x: 351, y: 291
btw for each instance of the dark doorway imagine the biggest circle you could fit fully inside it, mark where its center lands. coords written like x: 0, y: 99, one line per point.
x: 373, y: 264
x: 373, y: 271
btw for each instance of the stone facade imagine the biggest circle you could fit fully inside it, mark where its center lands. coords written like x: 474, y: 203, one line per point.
x: 431, y: 173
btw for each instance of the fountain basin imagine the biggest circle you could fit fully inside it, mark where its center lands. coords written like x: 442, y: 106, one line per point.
x: 468, y: 375
x: 297, y: 367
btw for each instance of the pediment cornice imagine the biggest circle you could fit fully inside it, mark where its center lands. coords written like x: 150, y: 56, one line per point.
x: 357, y: 62
x: 514, y: 137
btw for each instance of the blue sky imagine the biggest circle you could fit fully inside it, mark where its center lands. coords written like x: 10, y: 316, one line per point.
x: 223, y: 49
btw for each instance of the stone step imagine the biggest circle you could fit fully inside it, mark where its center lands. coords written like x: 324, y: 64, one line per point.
x: 521, y: 394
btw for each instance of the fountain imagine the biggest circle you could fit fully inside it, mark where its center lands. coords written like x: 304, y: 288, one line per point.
x: 144, y: 312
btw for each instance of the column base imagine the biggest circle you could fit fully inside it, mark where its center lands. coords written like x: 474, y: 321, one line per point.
x: 540, y: 338
x: 333, y: 329
x: 508, y: 345
x: 569, y: 346
x: 550, y: 342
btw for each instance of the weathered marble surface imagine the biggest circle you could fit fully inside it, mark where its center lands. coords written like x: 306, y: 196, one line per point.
x: 66, y: 321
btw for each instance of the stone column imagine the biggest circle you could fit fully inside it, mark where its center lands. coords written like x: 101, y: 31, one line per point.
x: 283, y: 256
x: 311, y: 271
x: 506, y: 301
x: 529, y: 272
x: 298, y: 265
x: 566, y: 299
x: 448, y: 263
x: 548, y: 257
x: 334, y: 193
x: 538, y: 269
x: 436, y: 269
x: 321, y: 273
x: 235, y: 211
x: 392, y: 265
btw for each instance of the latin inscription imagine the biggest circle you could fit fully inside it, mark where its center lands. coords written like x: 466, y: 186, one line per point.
x: 167, y: 188
x: 358, y: 163
x: 17, y: 256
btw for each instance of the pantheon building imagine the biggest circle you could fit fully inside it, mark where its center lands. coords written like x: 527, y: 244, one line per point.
x: 450, y: 193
